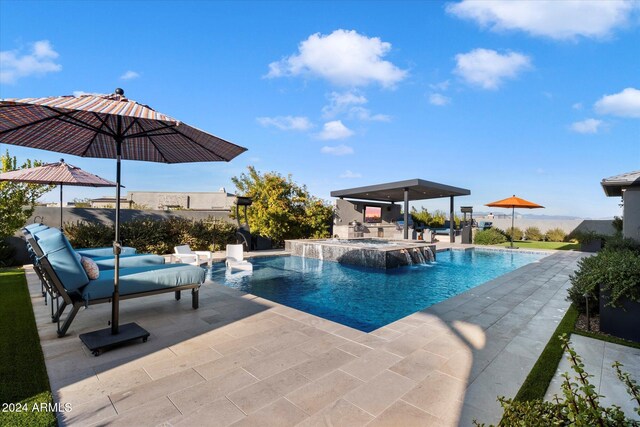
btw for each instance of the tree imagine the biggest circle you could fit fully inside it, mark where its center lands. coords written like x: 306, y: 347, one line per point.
x: 82, y: 203
x: 282, y: 209
x: 17, y: 199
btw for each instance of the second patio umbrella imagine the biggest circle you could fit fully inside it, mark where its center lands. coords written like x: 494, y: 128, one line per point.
x: 109, y: 126
x: 59, y: 174
x: 513, y: 203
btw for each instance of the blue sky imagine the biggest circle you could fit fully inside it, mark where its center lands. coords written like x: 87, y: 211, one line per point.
x: 538, y: 99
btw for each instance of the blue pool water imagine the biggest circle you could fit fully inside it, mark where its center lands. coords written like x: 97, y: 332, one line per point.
x: 365, y: 298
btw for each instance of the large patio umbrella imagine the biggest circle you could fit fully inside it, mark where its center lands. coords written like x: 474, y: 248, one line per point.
x: 513, y: 203
x: 109, y: 126
x: 59, y: 174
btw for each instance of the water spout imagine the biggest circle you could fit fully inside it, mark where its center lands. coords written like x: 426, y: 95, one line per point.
x: 431, y: 257
x: 407, y: 256
x: 421, y: 259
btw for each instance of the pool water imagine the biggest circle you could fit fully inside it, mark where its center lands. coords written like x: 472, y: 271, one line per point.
x: 365, y: 298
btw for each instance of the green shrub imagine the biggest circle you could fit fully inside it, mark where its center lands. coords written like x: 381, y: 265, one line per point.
x: 516, y: 232
x: 158, y: 236
x: 555, y: 235
x: 617, y: 224
x: 584, y: 236
x: 579, y: 404
x: 617, y: 242
x: 534, y: 234
x: 616, y: 270
x: 492, y: 236
x: 6, y: 253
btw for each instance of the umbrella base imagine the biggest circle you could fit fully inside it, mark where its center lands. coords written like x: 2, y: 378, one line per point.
x: 102, y: 340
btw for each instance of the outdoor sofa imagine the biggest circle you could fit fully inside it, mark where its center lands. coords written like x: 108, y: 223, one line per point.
x: 63, y: 272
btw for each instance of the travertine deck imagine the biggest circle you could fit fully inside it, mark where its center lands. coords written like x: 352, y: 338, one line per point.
x: 245, y: 360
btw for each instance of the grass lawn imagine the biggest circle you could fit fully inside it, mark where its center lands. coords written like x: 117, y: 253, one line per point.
x: 528, y: 244
x: 22, y: 369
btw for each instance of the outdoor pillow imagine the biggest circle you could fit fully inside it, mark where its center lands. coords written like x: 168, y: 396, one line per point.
x: 39, y: 228
x: 33, y: 225
x: 90, y: 267
x: 59, y: 252
x: 43, y: 234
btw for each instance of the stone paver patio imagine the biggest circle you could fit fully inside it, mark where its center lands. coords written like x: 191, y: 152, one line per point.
x: 598, y: 356
x: 243, y: 360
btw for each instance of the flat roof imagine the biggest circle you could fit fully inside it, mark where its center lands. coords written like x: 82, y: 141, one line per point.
x: 419, y: 189
x: 614, y: 185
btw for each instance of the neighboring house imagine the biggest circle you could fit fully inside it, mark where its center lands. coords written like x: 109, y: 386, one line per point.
x: 162, y: 200
x: 627, y: 186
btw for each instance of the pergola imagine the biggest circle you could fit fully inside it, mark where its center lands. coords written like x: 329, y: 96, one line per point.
x: 409, y: 190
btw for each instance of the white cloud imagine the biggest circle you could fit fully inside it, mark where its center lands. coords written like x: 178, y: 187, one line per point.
x: 555, y: 19
x: 344, y: 58
x: 338, y: 150
x: 350, y: 103
x: 335, y: 130
x: 577, y: 106
x: 623, y: 104
x: 440, y: 86
x: 439, y: 99
x: 350, y: 175
x: 286, y: 122
x: 340, y: 102
x: 487, y: 68
x: 587, y: 126
x: 129, y: 75
x: 39, y: 61
x: 81, y: 92
x: 365, y: 115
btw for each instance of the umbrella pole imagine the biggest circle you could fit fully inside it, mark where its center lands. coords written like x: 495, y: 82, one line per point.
x: 513, y: 213
x: 116, y: 246
x: 61, y: 208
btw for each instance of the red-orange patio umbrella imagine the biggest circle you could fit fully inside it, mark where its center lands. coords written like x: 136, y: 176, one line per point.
x: 513, y: 203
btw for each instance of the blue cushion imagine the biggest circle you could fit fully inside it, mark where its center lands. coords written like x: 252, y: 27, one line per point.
x: 60, y: 254
x: 43, y: 234
x: 38, y: 229
x: 134, y: 260
x: 104, y: 252
x: 141, y: 279
x: 34, y: 225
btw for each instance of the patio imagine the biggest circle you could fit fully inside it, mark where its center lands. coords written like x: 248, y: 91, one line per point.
x: 244, y: 360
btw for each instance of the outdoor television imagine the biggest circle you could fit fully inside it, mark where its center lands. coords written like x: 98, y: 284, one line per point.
x: 372, y: 214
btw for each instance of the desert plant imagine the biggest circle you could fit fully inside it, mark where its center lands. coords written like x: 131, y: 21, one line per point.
x: 533, y: 233
x: 514, y: 233
x: 555, y: 235
x: 578, y: 406
x: 615, y: 270
x: 157, y: 236
x: 492, y: 236
x: 617, y: 224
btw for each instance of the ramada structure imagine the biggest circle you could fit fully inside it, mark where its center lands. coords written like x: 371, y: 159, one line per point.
x: 376, y: 205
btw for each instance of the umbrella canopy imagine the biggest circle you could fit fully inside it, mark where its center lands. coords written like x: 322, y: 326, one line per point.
x: 60, y: 174
x: 514, y: 202
x: 108, y: 126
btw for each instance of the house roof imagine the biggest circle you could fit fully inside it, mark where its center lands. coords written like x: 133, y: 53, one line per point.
x: 418, y: 189
x: 614, y: 185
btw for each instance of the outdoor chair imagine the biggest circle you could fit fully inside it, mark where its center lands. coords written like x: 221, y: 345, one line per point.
x: 62, y: 269
x: 235, y: 258
x: 185, y: 255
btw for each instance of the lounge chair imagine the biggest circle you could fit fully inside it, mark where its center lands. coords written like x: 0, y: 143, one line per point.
x: 235, y: 258
x: 187, y: 256
x: 62, y: 269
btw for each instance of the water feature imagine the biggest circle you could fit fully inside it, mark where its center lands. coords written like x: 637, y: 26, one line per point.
x: 431, y: 257
x: 374, y: 253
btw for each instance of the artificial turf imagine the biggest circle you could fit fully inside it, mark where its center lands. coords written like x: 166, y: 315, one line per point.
x: 529, y: 244
x: 536, y: 384
x: 23, y: 374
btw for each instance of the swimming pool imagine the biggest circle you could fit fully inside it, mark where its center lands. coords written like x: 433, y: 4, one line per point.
x: 365, y: 298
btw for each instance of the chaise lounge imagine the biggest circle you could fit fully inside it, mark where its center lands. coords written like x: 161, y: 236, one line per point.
x: 62, y: 270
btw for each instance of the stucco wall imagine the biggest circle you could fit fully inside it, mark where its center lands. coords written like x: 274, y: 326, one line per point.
x: 202, y: 201
x: 631, y: 215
